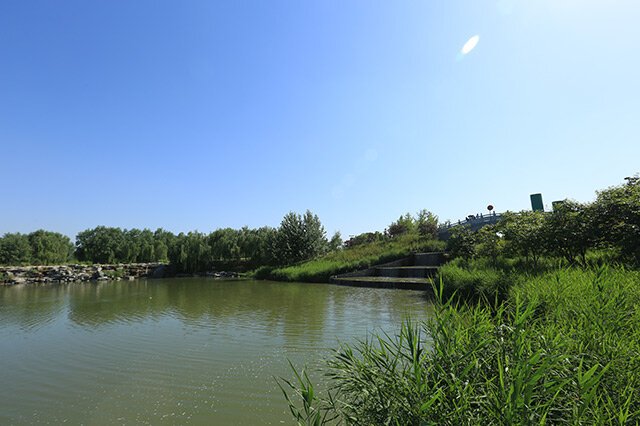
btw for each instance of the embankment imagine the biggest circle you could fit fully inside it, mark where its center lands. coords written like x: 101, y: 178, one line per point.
x: 10, y: 275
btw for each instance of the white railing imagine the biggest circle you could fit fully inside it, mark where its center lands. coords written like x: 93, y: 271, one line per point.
x: 479, y: 219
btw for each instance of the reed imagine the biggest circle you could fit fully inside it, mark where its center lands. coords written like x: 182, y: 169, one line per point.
x: 563, y: 347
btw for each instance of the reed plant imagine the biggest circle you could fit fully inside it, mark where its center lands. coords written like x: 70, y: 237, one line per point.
x: 563, y: 347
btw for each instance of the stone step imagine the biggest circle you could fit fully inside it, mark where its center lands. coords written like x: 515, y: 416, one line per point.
x: 428, y: 259
x: 417, y: 266
x: 385, y: 282
x: 406, y: 271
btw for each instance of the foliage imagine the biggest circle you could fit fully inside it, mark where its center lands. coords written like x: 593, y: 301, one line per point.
x: 190, y: 252
x: 15, y: 249
x: 404, y: 225
x: 351, y: 258
x: 335, y: 243
x: 299, y: 238
x: 542, y: 356
x: 461, y: 242
x: 523, y: 233
x: 101, y: 245
x: 39, y: 247
x: 569, y: 233
x: 425, y: 224
x: 617, y: 218
x: 475, y: 280
x: 488, y: 243
x: 365, y: 238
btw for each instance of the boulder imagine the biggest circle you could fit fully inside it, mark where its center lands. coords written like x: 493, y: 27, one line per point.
x: 99, y: 275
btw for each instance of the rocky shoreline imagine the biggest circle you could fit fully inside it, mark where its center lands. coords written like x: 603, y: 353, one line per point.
x: 11, y: 275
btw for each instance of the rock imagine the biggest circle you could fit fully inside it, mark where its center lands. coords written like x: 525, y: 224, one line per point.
x: 99, y: 275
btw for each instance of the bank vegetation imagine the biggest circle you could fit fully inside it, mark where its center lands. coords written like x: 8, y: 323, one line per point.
x: 536, y: 321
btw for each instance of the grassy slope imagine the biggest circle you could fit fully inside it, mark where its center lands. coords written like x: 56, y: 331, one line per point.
x: 360, y: 257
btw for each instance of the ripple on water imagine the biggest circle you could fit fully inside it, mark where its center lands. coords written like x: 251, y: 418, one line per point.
x: 175, y: 351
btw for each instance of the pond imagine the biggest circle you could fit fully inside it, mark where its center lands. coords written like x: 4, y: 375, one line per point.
x: 175, y: 351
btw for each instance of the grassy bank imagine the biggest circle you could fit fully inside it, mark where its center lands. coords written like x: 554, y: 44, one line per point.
x: 562, y: 347
x: 489, y: 279
x: 350, y: 259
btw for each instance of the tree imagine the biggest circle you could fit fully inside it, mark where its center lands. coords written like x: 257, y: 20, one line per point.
x: 367, y: 237
x: 49, y: 248
x: 427, y: 224
x: 336, y: 242
x: 461, y: 242
x: 163, y: 240
x: 404, y: 225
x: 261, y: 252
x: 102, y: 245
x: 616, y: 213
x: 569, y: 231
x: 15, y: 249
x: 523, y: 233
x: 191, y: 253
x: 488, y: 242
x: 299, y: 238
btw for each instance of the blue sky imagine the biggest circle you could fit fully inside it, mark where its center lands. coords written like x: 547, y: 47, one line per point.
x: 200, y: 114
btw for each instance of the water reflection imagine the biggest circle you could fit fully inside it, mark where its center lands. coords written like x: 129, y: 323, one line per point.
x: 179, y: 350
x: 31, y: 307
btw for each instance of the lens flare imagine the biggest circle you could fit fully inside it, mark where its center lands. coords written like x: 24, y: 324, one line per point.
x: 470, y: 44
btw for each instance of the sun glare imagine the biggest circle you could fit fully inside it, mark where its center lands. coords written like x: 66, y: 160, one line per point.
x: 470, y: 44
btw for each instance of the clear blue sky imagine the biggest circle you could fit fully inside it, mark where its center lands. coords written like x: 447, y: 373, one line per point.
x: 200, y: 114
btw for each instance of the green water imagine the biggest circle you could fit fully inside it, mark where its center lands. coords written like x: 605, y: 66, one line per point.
x: 174, y: 351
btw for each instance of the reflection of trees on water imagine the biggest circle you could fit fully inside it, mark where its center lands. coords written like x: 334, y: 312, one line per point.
x: 300, y: 314
x: 94, y: 305
x: 31, y: 307
x: 279, y: 309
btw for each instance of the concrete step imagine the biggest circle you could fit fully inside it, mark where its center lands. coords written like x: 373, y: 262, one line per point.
x: 406, y: 271
x: 428, y: 259
x: 385, y: 282
x: 414, y: 271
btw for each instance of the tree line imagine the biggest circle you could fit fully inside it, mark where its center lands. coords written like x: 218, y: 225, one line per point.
x: 424, y: 223
x: 298, y: 238
x: 611, y: 222
x: 37, y: 248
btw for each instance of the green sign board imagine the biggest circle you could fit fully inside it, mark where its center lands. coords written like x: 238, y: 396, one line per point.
x: 536, y: 203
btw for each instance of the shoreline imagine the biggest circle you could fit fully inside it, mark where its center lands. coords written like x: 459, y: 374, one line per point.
x: 50, y: 274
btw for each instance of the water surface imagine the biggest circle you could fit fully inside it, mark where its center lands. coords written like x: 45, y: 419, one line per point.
x: 174, y: 351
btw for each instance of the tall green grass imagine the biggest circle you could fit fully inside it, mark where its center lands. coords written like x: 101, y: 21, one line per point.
x: 351, y: 259
x: 564, y: 347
